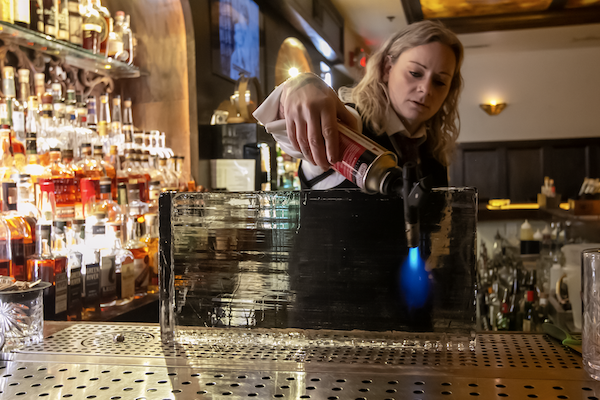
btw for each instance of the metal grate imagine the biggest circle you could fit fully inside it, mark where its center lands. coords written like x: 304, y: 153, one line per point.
x: 98, y: 361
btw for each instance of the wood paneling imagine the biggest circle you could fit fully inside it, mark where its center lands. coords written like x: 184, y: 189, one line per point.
x: 516, y: 169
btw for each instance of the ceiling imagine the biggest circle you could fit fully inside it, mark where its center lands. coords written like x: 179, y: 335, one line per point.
x: 375, y: 20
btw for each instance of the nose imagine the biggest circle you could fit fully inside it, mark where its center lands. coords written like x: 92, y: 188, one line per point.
x: 425, y: 86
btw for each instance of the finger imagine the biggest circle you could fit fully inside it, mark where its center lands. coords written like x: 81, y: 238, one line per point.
x: 316, y: 141
x: 346, y: 116
x: 303, y: 142
x: 330, y: 136
x: 290, y: 127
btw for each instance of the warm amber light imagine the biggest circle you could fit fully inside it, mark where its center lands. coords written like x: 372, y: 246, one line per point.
x: 107, y: 66
x: 493, y: 108
x: 293, y: 72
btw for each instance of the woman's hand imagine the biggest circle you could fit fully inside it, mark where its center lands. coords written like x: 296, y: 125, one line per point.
x: 311, y: 110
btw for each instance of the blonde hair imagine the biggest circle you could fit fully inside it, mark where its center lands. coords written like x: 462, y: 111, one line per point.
x: 371, y: 97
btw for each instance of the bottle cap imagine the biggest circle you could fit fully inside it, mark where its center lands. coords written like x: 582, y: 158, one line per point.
x: 23, y: 74
x: 8, y: 72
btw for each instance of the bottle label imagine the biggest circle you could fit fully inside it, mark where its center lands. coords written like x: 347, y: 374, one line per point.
x: 128, y: 132
x: 63, y: 20
x: 50, y: 20
x: 74, y: 292
x: 108, y: 276
x: 22, y: 11
x: 65, y: 212
x: 142, y: 272
x: 7, y: 12
x: 104, y: 30
x: 91, y: 288
x: 18, y: 121
x: 61, y: 285
x: 127, y: 280
x: 102, y: 128
x: 115, y: 47
x: 75, y: 35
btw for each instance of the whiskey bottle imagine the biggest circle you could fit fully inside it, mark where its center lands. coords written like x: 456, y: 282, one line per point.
x: 75, y: 22
x: 91, y: 27
x: 109, y: 169
x: 62, y: 246
x: 135, y: 231
x: 103, y: 127
x: 50, y: 268
x: 151, y: 241
x: 117, y: 126
x: 65, y: 185
x: 124, y: 261
x: 62, y: 20
x: 16, y: 110
x: 7, y: 11
x: 105, y: 20
x: 36, y: 12
x: 50, y: 22
x: 5, y: 253
x: 21, y: 238
x: 127, y: 124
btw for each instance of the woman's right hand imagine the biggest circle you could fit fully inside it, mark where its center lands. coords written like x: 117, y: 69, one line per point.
x: 311, y: 110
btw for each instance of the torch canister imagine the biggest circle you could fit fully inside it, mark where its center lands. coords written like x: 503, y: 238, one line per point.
x: 363, y: 161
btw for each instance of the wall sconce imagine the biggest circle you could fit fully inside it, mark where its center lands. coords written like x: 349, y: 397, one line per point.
x: 493, y: 108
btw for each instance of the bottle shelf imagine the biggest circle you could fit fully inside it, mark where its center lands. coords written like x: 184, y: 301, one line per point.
x: 72, y: 55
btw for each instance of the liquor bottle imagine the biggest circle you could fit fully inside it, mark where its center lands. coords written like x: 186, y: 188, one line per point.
x: 87, y: 166
x: 106, y: 204
x: 62, y: 20
x: 92, y: 120
x: 529, y: 311
x: 90, y: 272
x: 135, y: 231
x: 22, y: 16
x: 150, y: 238
x: 20, y: 125
x: 503, y: 320
x: 95, y: 236
x: 91, y: 26
x: 50, y: 268
x: 39, y: 83
x: 114, y: 47
x: 75, y: 23
x: 62, y: 246
x: 50, y: 23
x: 45, y: 135
x: 16, y: 110
x: 128, y: 40
x: 134, y: 175
x: 27, y: 198
x: 65, y: 185
x: 22, y: 245
x: 7, y: 11
x: 109, y: 169
x: 117, y: 126
x: 125, y: 271
x: 7, y: 154
x: 105, y: 21
x: 127, y: 124
x: 171, y: 180
x: 5, y: 252
x: 103, y: 127
x: 36, y: 12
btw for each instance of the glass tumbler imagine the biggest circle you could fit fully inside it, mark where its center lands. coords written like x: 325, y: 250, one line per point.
x: 591, y: 312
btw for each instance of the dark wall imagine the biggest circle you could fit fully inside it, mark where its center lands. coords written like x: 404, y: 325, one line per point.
x: 212, y: 89
x: 515, y: 170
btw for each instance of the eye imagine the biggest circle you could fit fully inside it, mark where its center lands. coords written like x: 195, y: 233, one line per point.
x: 440, y: 83
x: 415, y: 74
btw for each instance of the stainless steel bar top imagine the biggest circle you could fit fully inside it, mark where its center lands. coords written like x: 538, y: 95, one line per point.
x: 129, y: 361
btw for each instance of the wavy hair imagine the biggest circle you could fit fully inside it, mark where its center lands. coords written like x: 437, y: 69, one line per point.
x: 371, y: 96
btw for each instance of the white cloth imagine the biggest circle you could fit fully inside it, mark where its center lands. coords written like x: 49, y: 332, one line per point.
x: 266, y: 114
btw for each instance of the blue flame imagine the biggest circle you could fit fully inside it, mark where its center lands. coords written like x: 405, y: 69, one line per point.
x: 414, y: 279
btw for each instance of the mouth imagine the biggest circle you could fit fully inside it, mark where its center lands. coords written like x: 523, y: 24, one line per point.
x: 419, y: 104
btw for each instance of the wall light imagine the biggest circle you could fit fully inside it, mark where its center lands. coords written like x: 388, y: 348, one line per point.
x: 493, y: 108
x: 293, y: 71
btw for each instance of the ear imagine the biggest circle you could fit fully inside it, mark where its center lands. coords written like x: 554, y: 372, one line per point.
x: 387, y: 67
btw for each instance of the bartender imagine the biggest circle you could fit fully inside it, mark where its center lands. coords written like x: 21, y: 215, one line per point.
x: 344, y: 269
x: 407, y: 102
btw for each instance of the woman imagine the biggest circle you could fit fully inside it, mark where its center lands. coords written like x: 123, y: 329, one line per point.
x: 346, y: 268
x: 407, y: 102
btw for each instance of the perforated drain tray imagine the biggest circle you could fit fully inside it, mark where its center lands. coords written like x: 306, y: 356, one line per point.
x: 102, y: 361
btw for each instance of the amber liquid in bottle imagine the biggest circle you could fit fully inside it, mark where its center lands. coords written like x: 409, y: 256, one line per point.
x: 5, y: 266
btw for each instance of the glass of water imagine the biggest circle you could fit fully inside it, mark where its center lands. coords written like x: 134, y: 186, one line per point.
x: 591, y: 312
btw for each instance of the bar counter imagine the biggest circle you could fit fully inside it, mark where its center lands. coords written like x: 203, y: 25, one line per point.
x: 129, y: 361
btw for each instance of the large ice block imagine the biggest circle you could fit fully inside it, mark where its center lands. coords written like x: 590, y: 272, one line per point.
x: 316, y: 260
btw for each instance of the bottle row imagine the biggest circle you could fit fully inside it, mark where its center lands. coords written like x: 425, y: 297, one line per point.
x: 85, y: 23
